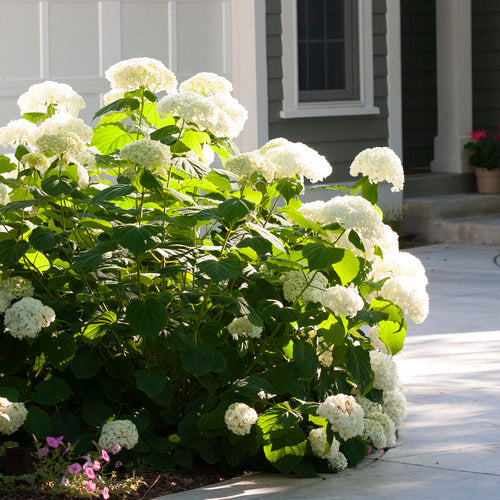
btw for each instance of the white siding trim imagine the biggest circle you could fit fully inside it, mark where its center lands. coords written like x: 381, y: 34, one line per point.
x: 109, y: 33
x: 291, y: 106
x: 394, y: 98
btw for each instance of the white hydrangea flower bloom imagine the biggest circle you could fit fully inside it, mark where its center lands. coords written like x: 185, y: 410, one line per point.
x: 41, y: 95
x: 239, y: 418
x: 337, y: 461
x: 63, y: 123
x: 368, y: 405
x: 36, y: 161
x: 4, y: 194
x: 375, y: 340
x: 27, y: 317
x: 12, y: 416
x: 118, y: 432
x: 206, y: 84
x: 388, y: 426
x: 385, y: 370
x: 112, y: 96
x: 231, y: 118
x: 409, y: 294
x: 317, y: 440
x: 244, y: 165
x: 344, y: 414
x: 190, y: 107
x: 342, y: 301
x: 60, y: 143
x: 374, y: 432
x: 394, y: 406
x: 14, y: 288
x: 379, y: 164
x: 17, y: 132
x: 84, y: 158
x: 307, y: 286
x: 242, y: 327
x: 396, y: 264
x: 295, y: 158
x: 146, y: 72
x: 146, y: 153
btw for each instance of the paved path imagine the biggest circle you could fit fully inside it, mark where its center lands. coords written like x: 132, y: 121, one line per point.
x: 449, y: 445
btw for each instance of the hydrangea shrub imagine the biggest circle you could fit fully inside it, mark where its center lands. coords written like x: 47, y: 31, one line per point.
x: 180, y: 310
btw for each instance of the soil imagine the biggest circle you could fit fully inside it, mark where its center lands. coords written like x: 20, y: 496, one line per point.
x: 157, y: 484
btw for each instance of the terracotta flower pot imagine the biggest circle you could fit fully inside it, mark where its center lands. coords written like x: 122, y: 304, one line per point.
x: 488, y: 181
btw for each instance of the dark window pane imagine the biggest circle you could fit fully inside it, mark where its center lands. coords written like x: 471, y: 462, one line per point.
x: 316, y: 19
x: 336, y: 65
x: 301, y: 19
x: 302, y: 66
x: 316, y: 65
x: 335, y: 18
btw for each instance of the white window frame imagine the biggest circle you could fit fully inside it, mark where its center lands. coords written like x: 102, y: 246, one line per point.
x: 292, y: 108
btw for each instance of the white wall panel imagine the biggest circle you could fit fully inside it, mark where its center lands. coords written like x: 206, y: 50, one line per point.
x: 145, y: 30
x: 19, y: 39
x: 73, y: 39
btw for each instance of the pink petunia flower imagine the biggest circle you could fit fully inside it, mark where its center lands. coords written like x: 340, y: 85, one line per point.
x: 478, y: 134
x: 369, y: 449
x: 96, y: 465
x: 104, y: 455
x: 116, y: 447
x: 43, y: 451
x: 90, y: 485
x: 54, y: 442
x: 497, y: 137
x: 118, y: 464
x: 64, y: 481
x: 75, y: 468
x: 89, y: 472
x: 105, y: 493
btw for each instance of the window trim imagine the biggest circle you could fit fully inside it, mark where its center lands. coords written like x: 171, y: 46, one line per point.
x: 292, y: 108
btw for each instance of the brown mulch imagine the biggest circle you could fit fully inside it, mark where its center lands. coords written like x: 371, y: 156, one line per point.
x: 157, y: 484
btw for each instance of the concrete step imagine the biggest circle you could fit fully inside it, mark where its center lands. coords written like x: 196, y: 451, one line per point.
x: 429, y: 184
x: 454, y: 218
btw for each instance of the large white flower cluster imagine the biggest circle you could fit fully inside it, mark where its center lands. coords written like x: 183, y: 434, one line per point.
x: 318, y: 441
x: 118, y: 434
x: 399, y: 264
x: 368, y: 405
x: 342, y: 301
x: 246, y: 164
x: 112, y: 96
x: 295, y: 158
x: 64, y: 123
x: 60, y: 143
x: 232, y: 116
x: 385, y: 370
x: 17, y: 132
x: 58, y: 95
x: 374, y: 432
x: 146, y: 153
x: 344, y: 414
x: 239, y: 418
x: 138, y: 72
x: 375, y: 340
x: 409, y: 294
x: 36, y: 161
x: 242, y: 327
x: 379, y: 164
x: 12, y: 416
x: 4, y: 194
x: 394, y: 405
x: 387, y: 425
x: 27, y: 317
x: 309, y: 287
x: 206, y: 84
x: 14, y: 288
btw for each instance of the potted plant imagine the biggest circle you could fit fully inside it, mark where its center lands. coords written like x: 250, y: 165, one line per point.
x: 485, y: 158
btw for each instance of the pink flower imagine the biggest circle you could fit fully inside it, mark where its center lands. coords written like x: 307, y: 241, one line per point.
x: 369, y: 449
x: 89, y: 472
x: 43, y: 451
x: 96, y: 465
x: 104, y: 455
x: 54, y: 442
x: 75, y: 468
x: 478, y: 134
x: 105, y: 493
x: 497, y: 137
x: 116, y: 447
x: 118, y: 464
x: 90, y: 485
x: 64, y: 481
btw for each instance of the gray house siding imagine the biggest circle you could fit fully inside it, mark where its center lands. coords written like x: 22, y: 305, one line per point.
x: 418, y: 81
x: 338, y: 138
x: 486, y: 64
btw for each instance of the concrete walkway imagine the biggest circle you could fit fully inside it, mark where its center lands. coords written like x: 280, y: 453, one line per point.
x: 449, y: 445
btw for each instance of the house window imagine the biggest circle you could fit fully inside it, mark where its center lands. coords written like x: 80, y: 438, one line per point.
x: 327, y: 58
x: 328, y: 53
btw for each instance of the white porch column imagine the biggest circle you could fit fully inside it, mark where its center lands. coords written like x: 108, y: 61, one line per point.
x: 454, y: 85
x: 248, y: 22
